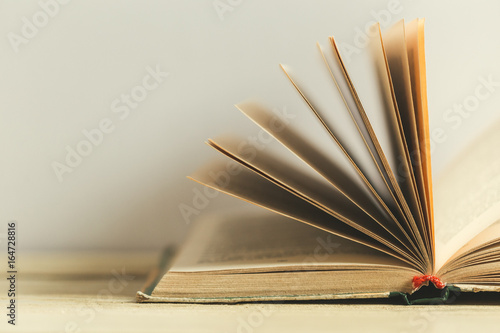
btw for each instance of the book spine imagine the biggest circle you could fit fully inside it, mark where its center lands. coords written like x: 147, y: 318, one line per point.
x: 419, y: 280
x: 448, y: 294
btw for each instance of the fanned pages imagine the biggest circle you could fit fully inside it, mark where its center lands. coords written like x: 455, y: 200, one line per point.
x: 351, y: 192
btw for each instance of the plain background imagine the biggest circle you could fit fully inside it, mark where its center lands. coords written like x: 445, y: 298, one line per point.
x: 127, y: 192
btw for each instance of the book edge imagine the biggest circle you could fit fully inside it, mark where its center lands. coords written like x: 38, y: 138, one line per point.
x: 142, y: 297
x: 157, y: 273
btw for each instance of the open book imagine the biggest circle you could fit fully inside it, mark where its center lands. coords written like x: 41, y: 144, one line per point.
x: 355, y: 175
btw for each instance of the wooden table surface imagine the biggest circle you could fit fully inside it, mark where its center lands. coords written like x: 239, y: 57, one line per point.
x: 94, y: 292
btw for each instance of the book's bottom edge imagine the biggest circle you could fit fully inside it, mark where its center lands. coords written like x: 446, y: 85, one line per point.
x: 142, y: 297
x: 476, y: 288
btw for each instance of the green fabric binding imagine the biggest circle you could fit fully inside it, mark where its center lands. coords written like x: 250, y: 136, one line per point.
x: 444, y: 298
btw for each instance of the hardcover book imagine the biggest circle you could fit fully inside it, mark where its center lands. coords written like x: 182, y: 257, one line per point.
x: 353, y: 210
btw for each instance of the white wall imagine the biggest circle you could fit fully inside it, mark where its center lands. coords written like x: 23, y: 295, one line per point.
x: 126, y: 193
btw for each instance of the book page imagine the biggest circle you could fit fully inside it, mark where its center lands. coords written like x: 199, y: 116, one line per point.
x: 413, y: 185
x: 266, y: 257
x: 249, y: 185
x: 416, y: 58
x: 324, y: 97
x: 381, y: 160
x: 312, y: 187
x: 478, y: 250
x: 381, y: 109
x: 265, y: 241
x: 467, y: 196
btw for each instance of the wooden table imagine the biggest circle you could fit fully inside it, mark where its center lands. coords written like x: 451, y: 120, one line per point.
x: 94, y: 292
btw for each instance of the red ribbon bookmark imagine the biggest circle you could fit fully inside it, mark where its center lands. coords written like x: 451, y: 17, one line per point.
x: 418, y: 280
